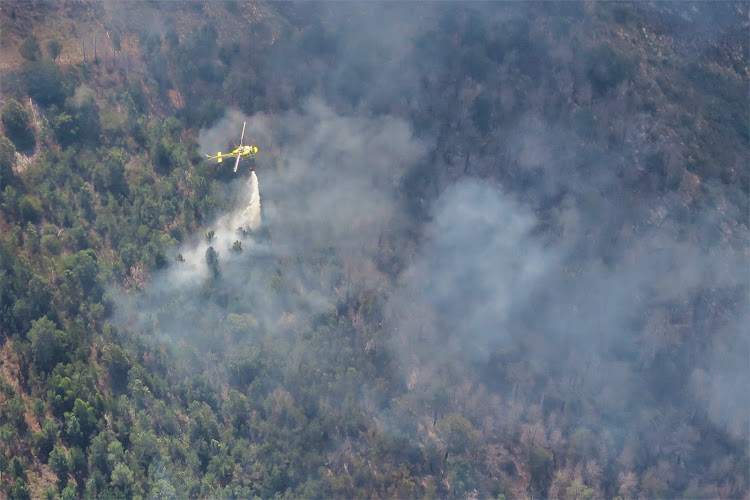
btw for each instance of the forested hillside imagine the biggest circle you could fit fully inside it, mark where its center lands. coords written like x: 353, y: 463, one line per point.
x: 487, y: 250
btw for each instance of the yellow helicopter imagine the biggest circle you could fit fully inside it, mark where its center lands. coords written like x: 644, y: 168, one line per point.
x: 240, y: 152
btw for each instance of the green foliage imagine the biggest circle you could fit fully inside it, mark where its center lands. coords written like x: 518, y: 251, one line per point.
x: 48, y: 437
x: 80, y: 423
x: 149, y: 42
x: 245, y: 362
x: 69, y: 492
x: 29, y: 49
x: 13, y: 412
x: 65, y: 128
x: 58, y: 462
x: 457, y: 433
x: 84, y: 110
x: 540, y: 467
x: 16, y: 120
x: 20, y: 490
x: 54, y: 47
x: 44, y: 83
x: 305, y: 404
x: 122, y: 481
x: 461, y: 477
x: 116, y: 43
x: 117, y: 365
x: 80, y: 270
x: 30, y: 209
x: 7, y: 162
x: 162, y: 489
x: 578, y: 490
x: 48, y: 344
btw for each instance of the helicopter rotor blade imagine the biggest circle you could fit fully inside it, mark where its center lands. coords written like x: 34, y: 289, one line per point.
x: 243, y: 132
x: 237, y: 163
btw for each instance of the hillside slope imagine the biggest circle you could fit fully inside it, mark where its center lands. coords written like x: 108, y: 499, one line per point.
x: 503, y: 250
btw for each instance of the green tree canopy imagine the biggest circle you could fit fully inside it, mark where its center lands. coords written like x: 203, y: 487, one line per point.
x: 44, y: 82
x: 29, y: 49
x: 54, y: 47
x: 16, y: 120
x: 7, y: 162
x: 48, y: 344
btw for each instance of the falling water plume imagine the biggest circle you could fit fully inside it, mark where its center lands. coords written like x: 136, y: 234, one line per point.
x: 252, y: 212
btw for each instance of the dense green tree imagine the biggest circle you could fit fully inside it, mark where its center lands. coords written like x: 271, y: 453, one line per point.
x: 117, y: 365
x: 69, y: 492
x: 16, y: 120
x: 48, y: 344
x: 457, y: 433
x: 30, y: 209
x: 48, y: 437
x: 65, y: 128
x: 144, y: 447
x: 80, y: 423
x: 540, y: 467
x: 122, y: 481
x: 29, y: 49
x: 162, y: 489
x: 577, y: 490
x: 54, y: 47
x: 58, y: 462
x: 85, y: 111
x: 110, y: 174
x: 44, y: 83
x: 237, y: 410
x: 20, y: 490
x: 13, y: 412
x: 83, y: 268
x: 461, y: 477
x: 7, y: 163
x: 40, y: 296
